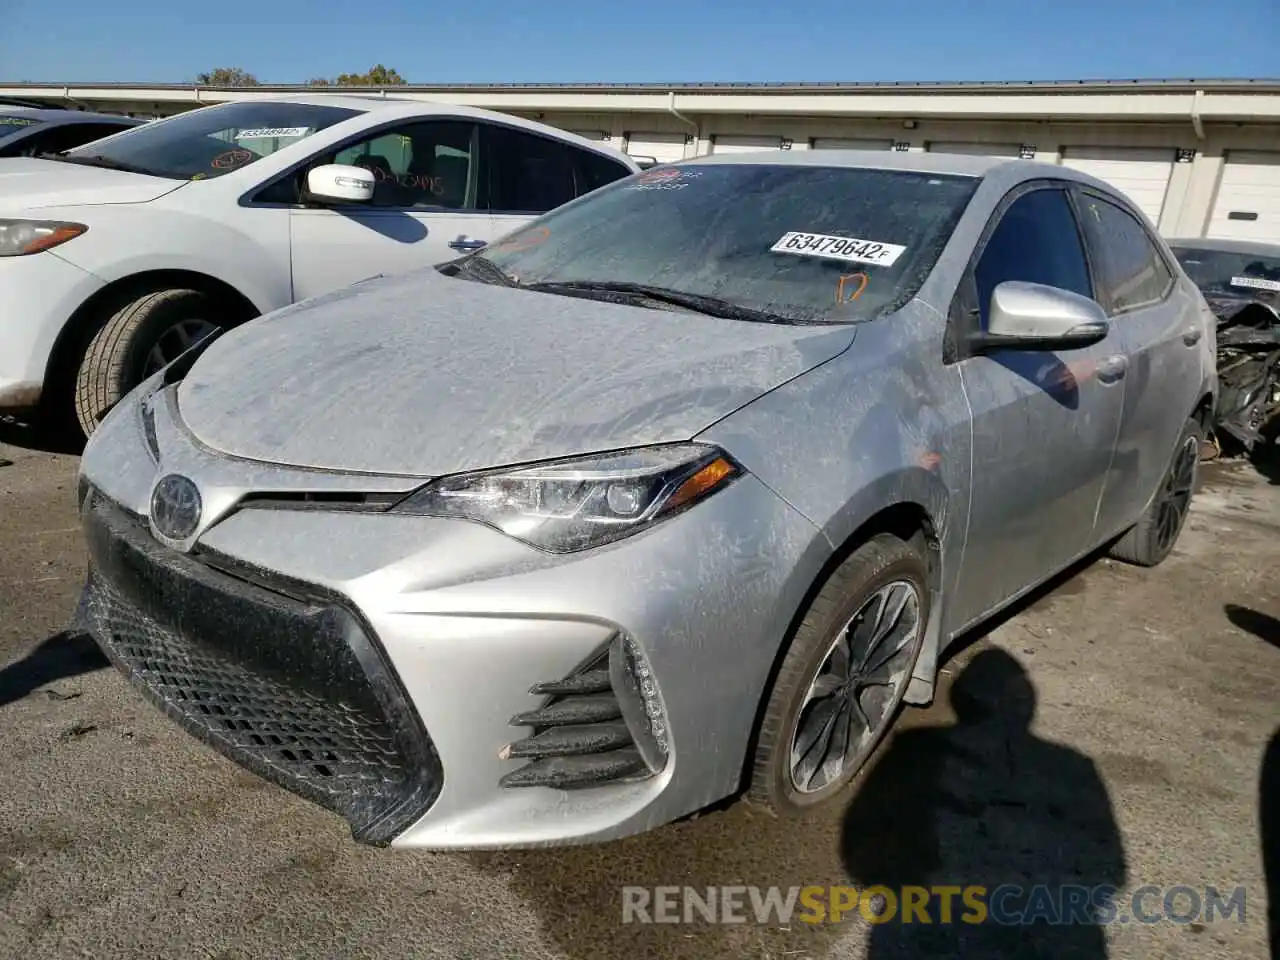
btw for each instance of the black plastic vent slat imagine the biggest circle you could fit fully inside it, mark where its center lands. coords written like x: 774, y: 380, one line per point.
x: 589, y: 681
x: 571, y: 740
x: 566, y: 773
x: 571, y: 710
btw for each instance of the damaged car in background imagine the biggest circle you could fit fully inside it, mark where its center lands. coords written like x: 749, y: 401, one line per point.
x: 1240, y: 280
x: 680, y: 490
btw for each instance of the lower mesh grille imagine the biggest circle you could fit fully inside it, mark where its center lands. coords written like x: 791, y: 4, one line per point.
x: 294, y: 690
x: 334, y: 749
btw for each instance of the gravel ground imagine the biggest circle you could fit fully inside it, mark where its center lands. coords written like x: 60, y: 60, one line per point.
x: 1111, y: 730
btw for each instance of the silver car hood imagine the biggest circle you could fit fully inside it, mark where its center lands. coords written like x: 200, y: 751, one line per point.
x: 425, y: 375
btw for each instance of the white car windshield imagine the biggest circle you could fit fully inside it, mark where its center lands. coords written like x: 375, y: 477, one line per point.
x: 806, y: 243
x: 211, y: 141
x: 1231, y: 272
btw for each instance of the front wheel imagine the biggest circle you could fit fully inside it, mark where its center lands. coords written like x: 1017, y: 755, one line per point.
x: 140, y: 338
x: 843, y: 677
x: 1148, y: 542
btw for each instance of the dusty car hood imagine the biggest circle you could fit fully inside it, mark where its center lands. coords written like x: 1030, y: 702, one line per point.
x: 425, y: 375
x: 27, y: 184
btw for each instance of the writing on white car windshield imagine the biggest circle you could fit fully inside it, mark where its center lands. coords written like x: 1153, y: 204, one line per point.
x: 211, y: 141
x: 793, y: 242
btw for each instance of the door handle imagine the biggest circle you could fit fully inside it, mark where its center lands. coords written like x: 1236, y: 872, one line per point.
x: 1113, y: 368
x: 463, y: 244
x: 1191, y: 336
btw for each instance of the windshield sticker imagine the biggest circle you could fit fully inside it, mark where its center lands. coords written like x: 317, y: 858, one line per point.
x: 1256, y: 283
x: 264, y: 132
x: 850, y: 286
x: 232, y: 158
x: 664, y: 178
x: 16, y: 121
x: 849, y: 249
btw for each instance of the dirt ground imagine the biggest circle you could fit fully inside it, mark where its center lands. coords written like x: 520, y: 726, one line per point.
x: 1109, y: 731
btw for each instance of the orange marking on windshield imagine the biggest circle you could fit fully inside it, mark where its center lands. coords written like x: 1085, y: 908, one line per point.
x: 846, y: 278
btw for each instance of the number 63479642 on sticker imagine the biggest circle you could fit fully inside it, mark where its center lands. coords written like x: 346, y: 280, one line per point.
x: 849, y: 249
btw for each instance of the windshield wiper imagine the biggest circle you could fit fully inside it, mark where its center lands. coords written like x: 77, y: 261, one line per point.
x: 96, y: 160
x: 698, y: 302
x: 479, y: 268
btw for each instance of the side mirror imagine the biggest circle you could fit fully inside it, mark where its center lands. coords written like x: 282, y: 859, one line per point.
x: 1032, y: 316
x: 337, y: 183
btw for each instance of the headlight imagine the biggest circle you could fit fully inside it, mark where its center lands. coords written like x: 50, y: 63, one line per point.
x: 21, y: 237
x: 569, y: 505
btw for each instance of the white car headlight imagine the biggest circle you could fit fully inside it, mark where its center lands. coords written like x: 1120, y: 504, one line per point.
x: 18, y: 238
x: 569, y: 505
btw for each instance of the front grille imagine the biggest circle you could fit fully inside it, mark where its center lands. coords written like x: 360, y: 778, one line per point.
x: 294, y: 690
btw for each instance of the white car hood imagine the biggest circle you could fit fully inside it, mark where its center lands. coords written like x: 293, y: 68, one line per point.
x: 29, y: 184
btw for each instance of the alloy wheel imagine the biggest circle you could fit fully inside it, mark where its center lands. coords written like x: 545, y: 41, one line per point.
x: 1175, y: 494
x: 853, y: 696
x: 174, y: 342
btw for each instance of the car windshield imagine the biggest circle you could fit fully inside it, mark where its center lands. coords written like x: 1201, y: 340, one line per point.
x: 211, y: 141
x: 804, y: 243
x: 10, y: 125
x: 1229, y: 271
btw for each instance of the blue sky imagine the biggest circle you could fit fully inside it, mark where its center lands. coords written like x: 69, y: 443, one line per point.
x: 285, y: 41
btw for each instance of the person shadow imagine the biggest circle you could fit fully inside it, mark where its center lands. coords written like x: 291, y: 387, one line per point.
x: 1267, y: 629
x: 984, y: 802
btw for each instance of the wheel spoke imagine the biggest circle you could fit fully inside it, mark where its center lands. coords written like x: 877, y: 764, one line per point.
x: 812, y: 755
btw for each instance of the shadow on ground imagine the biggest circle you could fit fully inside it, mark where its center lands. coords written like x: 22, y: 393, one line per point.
x: 61, y: 657
x: 1267, y: 628
x: 959, y: 796
x: 44, y: 439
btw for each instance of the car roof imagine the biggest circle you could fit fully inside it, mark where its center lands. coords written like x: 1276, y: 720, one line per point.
x: 55, y: 115
x: 1256, y: 247
x: 392, y: 108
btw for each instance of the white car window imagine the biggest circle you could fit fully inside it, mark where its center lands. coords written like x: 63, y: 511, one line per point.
x: 212, y: 141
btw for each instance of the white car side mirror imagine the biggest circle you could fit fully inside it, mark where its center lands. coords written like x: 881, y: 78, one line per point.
x: 339, y: 183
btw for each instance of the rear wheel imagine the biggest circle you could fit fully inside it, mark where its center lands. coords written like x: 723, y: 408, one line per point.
x: 843, y: 677
x: 140, y: 338
x: 1148, y: 542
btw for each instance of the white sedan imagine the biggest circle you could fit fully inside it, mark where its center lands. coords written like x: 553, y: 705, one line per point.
x: 116, y: 256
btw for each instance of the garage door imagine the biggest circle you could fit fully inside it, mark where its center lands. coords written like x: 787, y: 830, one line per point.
x: 845, y: 143
x: 1248, y: 203
x: 1140, y: 173
x: 1009, y: 150
x: 745, y: 144
x: 663, y: 147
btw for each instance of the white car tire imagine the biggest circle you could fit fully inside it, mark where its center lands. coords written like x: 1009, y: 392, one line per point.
x: 117, y: 357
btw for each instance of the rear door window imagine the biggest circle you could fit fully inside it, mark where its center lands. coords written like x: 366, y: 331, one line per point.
x: 528, y: 174
x: 1131, y: 272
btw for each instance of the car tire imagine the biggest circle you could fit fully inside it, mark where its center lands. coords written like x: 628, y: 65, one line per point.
x: 881, y: 564
x: 1149, y: 541
x: 121, y: 353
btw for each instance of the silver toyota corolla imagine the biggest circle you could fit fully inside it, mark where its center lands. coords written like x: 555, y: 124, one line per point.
x: 678, y: 491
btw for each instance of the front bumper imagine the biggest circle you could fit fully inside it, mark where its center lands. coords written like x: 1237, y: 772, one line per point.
x: 38, y: 295
x: 451, y: 642
x: 294, y: 689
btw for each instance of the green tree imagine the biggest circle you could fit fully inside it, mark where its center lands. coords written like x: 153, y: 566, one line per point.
x: 227, y: 77
x: 378, y: 76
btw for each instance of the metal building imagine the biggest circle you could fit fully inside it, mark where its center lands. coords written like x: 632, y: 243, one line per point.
x: 1200, y: 157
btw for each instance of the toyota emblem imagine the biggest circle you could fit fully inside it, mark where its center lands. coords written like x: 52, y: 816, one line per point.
x: 175, y: 507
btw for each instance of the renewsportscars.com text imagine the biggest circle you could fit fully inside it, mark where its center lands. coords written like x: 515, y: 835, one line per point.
x: 1008, y: 904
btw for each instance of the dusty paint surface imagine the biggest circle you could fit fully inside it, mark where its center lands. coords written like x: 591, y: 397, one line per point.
x: 120, y: 836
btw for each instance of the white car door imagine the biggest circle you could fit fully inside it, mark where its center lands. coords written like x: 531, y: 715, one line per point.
x: 428, y: 207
